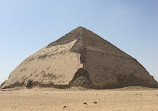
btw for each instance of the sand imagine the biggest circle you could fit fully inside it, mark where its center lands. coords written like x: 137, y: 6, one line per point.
x: 47, y: 99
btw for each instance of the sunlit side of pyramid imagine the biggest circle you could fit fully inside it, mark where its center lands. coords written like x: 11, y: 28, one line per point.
x: 80, y: 58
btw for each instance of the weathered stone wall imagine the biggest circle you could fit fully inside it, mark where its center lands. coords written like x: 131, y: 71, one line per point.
x: 80, y: 58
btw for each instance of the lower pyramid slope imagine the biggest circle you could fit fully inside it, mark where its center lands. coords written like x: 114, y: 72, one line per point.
x: 80, y: 58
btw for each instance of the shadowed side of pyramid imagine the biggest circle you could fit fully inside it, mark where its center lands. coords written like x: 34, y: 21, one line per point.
x: 80, y: 58
x: 109, y: 67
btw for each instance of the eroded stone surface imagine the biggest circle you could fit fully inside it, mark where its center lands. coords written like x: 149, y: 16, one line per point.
x: 80, y: 58
x: 57, y: 67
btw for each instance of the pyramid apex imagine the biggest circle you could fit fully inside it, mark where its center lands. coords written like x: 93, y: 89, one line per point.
x: 80, y: 27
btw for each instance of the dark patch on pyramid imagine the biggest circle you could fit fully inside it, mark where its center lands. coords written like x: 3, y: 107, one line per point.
x: 80, y: 58
x: 74, y: 34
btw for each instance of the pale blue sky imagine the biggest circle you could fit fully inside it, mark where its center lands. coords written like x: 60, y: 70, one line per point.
x: 28, y: 25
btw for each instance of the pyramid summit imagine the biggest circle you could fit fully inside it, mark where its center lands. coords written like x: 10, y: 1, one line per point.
x: 80, y: 58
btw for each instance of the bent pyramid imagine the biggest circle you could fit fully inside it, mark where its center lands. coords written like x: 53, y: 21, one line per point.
x: 80, y: 58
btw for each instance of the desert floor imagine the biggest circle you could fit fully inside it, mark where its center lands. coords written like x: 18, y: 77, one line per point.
x: 45, y: 99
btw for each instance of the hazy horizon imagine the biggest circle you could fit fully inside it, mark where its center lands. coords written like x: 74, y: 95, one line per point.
x: 29, y: 25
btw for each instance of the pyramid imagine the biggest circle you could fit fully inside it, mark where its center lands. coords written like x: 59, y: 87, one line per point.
x: 80, y: 58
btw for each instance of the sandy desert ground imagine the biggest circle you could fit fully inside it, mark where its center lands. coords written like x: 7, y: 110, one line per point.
x: 48, y: 99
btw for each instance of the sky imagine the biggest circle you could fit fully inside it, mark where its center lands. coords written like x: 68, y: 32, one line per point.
x: 28, y: 25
